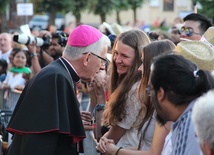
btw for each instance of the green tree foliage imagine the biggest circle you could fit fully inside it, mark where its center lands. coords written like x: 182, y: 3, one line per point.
x: 134, y: 4
x: 3, y: 22
x: 63, y: 6
x: 119, y: 6
x: 37, y: 6
x: 207, y: 8
x: 3, y: 4
x: 51, y: 7
x: 102, y: 8
x: 78, y: 6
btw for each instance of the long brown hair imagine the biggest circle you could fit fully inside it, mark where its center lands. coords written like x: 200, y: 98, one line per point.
x: 150, y: 51
x: 121, y: 85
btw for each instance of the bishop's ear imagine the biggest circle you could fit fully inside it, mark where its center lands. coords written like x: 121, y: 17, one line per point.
x: 86, y: 58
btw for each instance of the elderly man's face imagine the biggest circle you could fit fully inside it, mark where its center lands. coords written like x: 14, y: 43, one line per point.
x: 94, y: 65
x: 5, y: 42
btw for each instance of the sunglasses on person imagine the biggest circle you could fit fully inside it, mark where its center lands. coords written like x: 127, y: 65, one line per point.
x: 188, y: 31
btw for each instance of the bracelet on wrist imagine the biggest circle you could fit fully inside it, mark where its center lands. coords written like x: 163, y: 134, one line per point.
x: 33, y: 55
x: 118, y: 150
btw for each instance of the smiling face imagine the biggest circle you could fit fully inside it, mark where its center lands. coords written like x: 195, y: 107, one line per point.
x: 123, y: 57
x: 19, y: 59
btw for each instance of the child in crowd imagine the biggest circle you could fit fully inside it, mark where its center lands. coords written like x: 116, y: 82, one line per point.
x: 16, y: 75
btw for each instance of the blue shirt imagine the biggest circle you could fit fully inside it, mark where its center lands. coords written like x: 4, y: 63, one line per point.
x: 2, y: 77
x: 183, y: 139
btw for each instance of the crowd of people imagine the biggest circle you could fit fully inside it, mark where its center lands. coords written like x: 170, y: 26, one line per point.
x: 148, y: 93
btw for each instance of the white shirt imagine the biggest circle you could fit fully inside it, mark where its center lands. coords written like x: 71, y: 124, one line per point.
x: 14, y: 80
x: 6, y: 55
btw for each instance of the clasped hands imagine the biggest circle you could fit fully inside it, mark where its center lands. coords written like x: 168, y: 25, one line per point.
x: 106, y: 146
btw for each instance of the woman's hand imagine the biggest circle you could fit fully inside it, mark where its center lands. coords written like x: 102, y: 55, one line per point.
x: 106, y: 146
x: 86, y: 117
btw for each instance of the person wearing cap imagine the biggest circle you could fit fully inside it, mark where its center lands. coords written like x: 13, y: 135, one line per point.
x: 194, y: 26
x: 46, y: 119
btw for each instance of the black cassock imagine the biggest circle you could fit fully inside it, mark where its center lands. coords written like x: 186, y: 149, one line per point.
x: 46, y: 120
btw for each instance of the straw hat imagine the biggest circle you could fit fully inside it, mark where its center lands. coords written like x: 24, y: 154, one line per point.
x: 109, y: 28
x: 198, y: 52
x: 208, y: 37
x: 117, y: 28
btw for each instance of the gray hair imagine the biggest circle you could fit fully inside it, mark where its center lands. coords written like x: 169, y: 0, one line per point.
x: 74, y: 52
x: 203, y: 118
x: 8, y: 35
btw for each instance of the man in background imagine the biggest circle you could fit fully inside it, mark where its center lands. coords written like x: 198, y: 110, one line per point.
x: 5, y: 46
x: 194, y: 26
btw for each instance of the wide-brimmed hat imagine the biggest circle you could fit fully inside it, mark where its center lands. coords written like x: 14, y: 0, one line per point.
x: 117, y: 28
x: 208, y: 37
x: 109, y: 28
x: 198, y: 52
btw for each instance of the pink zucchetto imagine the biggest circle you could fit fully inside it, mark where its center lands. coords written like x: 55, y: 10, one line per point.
x: 84, y: 35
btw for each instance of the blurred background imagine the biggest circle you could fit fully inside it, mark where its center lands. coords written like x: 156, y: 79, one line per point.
x: 61, y: 13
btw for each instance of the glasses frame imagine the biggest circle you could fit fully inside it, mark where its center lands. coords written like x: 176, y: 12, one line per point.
x: 104, y: 60
x: 188, y: 31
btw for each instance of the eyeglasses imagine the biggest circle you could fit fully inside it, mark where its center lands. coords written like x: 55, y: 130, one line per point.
x: 148, y: 90
x: 188, y: 31
x: 104, y: 61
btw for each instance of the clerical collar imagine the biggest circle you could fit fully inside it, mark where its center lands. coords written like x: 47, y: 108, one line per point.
x: 71, y: 70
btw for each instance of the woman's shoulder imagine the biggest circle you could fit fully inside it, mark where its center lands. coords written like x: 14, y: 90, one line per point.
x: 134, y: 88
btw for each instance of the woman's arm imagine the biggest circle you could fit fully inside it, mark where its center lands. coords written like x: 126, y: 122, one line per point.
x: 115, y: 133
x: 156, y: 148
x: 158, y: 140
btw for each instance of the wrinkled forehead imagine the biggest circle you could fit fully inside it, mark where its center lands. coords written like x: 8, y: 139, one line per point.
x: 5, y: 36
